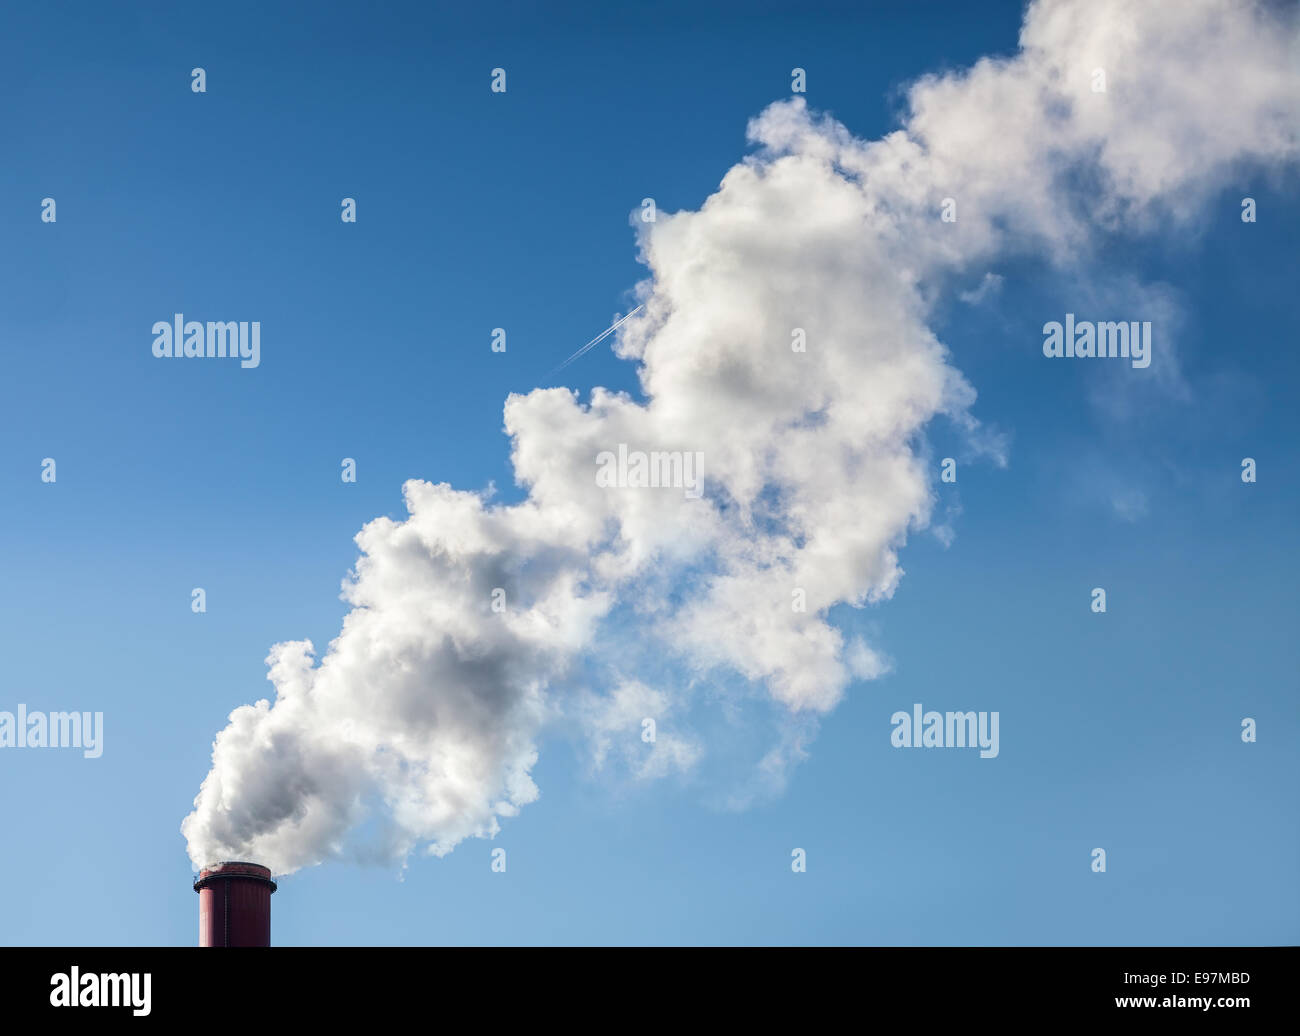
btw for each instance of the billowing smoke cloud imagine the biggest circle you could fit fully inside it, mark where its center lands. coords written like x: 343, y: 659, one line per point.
x: 419, y: 725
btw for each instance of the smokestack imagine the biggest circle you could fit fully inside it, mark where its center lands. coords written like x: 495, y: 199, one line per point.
x: 234, y: 904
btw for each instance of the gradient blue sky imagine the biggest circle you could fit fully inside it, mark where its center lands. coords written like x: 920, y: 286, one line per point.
x: 478, y: 211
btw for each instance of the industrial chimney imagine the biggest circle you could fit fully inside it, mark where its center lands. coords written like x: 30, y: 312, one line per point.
x: 234, y: 904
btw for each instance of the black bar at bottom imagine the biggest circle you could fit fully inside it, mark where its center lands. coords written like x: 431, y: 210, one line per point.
x: 681, y: 987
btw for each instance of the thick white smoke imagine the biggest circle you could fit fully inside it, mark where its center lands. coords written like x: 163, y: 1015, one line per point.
x: 422, y: 718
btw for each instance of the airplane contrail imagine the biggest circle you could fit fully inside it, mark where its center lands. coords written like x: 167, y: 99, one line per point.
x: 595, y: 341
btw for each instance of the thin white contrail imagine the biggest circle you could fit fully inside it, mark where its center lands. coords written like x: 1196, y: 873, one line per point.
x: 595, y: 341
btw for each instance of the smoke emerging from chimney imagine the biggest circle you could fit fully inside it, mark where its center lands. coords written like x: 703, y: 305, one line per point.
x: 418, y: 727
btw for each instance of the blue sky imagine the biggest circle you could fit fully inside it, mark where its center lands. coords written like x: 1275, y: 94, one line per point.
x: 478, y: 210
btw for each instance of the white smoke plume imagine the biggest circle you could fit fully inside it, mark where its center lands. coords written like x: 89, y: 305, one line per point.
x: 422, y: 718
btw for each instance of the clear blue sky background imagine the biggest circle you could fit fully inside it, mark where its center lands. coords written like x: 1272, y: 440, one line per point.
x: 477, y: 211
